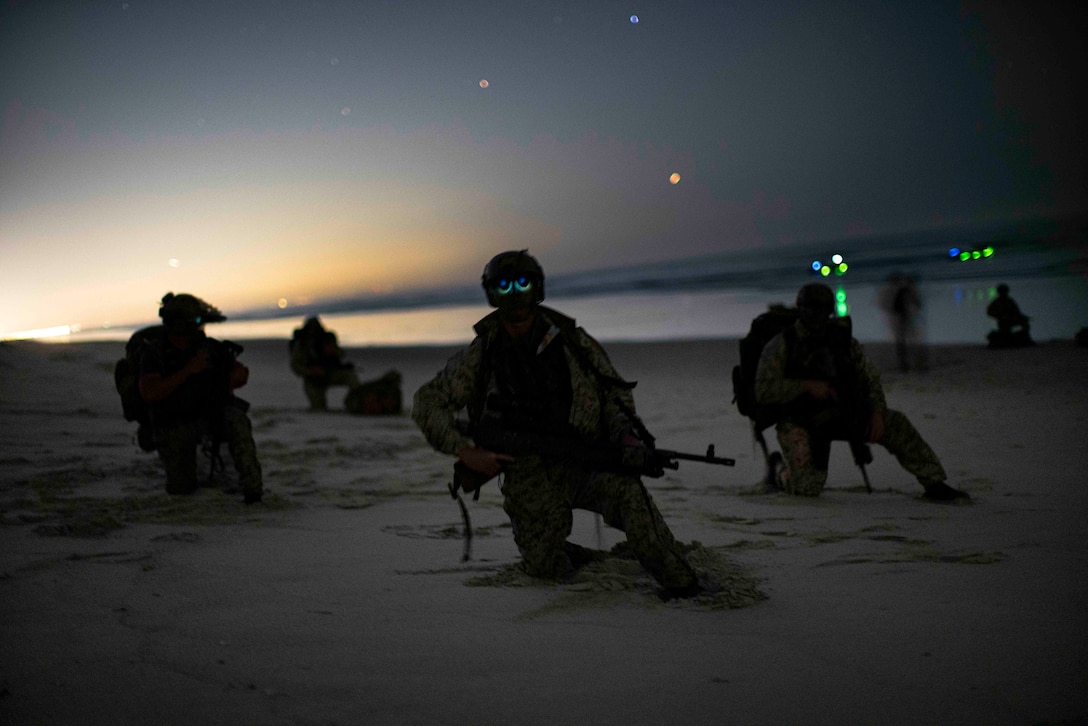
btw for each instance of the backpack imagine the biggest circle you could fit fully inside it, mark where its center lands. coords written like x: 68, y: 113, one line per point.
x: 126, y: 378
x: 764, y: 327
x: 379, y: 397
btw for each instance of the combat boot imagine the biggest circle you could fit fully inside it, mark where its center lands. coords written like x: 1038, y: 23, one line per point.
x: 773, y: 480
x: 941, y: 492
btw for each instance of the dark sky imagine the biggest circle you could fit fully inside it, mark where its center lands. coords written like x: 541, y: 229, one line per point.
x: 265, y: 153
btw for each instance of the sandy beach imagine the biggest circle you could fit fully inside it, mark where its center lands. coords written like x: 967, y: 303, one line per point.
x: 343, y: 598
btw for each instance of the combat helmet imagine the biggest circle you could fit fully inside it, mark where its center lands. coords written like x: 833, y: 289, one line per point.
x: 184, y: 312
x: 816, y: 295
x: 512, y: 275
x: 815, y: 305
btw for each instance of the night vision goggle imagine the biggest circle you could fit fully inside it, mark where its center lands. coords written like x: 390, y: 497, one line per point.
x: 507, y: 286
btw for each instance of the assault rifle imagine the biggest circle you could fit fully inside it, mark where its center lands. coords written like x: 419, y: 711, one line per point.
x: 634, y: 460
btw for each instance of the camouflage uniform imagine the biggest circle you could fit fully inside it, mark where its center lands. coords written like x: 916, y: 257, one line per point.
x: 539, y: 495
x: 806, y: 454
x: 307, y: 349
x: 202, y: 406
x: 177, y: 445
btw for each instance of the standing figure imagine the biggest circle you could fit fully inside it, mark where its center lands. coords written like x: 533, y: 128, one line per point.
x: 316, y: 356
x: 188, y: 381
x: 902, y: 302
x: 531, y: 369
x: 828, y: 390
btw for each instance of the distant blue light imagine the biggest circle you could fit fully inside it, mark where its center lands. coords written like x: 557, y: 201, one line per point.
x: 634, y: 19
x: 954, y: 252
x: 816, y: 265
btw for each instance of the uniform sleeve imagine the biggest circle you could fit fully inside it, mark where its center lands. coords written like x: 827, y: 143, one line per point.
x: 619, y: 405
x: 437, y: 401
x: 298, y: 357
x: 869, y: 375
x: 772, y: 386
x: 151, y: 361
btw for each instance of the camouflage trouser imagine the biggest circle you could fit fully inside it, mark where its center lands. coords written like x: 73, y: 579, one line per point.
x: 316, y: 387
x: 178, y: 443
x: 806, y: 456
x: 539, y: 497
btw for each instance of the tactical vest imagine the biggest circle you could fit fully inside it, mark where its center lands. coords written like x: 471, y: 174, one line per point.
x: 202, y: 394
x: 527, y: 384
x: 826, y: 357
x: 531, y: 384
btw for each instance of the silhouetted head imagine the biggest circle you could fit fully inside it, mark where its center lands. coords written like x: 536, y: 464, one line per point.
x: 514, y: 283
x: 1002, y: 289
x: 815, y: 305
x: 185, y: 314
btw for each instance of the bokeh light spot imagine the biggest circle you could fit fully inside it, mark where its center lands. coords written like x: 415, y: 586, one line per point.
x: 841, y: 306
x: 634, y: 20
x: 282, y: 303
x: 484, y: 83
x: 674, y: 179
x: 174, y: 262
x: 345, y: 111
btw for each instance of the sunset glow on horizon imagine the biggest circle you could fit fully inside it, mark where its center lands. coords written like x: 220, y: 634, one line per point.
x: 258, y: 156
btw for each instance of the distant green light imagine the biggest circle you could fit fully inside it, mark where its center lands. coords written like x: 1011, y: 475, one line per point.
x: 964, y: 256
x: 976, y: 255
x: 825, y: 270
x: 988, y: 252
x: 841, y: 269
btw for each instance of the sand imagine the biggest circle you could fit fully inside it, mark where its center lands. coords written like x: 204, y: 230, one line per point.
x: 343, y: 598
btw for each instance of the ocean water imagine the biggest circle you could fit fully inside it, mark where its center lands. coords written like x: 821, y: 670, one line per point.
x: 716, y: 296
x: 954, y: 312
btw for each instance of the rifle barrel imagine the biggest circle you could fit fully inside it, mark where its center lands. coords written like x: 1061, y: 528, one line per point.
x: 719, y: 460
